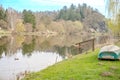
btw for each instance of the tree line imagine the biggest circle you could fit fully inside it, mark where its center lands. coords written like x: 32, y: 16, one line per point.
x: 75, y: 12
x: 64, y: 20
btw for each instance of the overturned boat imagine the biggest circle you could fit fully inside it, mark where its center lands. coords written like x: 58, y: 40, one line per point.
x: 110, y: 52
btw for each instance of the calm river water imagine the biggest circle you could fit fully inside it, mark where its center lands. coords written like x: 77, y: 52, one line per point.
x: 20, y: 54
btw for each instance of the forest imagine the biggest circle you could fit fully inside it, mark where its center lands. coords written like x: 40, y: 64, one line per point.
x: 68, y: 20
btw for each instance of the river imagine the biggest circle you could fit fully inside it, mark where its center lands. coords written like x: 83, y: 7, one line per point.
x: 20, y: 54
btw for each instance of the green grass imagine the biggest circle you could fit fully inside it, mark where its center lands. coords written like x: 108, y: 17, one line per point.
x: 80, y: 67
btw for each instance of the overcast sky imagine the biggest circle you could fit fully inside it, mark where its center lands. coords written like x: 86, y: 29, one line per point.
x: 50, y: 5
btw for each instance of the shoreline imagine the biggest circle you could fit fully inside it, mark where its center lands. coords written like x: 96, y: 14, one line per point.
x: 80, y: 67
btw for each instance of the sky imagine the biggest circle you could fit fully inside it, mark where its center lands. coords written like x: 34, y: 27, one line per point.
x: 50, y: 5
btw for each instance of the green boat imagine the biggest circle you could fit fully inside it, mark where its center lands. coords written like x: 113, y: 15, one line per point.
x: 110, y: 52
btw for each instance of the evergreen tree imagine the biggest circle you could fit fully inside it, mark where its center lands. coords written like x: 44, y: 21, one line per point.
x: 73, y: 13
x: 29, y: 18
x: 2, y: 15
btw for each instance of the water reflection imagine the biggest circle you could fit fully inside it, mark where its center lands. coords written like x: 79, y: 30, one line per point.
x: 22, y: 54
x: 28, y: 44
x: 11, y: 67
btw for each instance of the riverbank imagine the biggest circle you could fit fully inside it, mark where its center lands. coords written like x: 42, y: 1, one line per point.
x: 4, y: 33
x: 80, y: 67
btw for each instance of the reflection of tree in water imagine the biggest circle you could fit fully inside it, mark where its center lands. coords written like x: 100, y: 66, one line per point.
x: 74, y: 50
x: 61, y: 51
x: 11, y: 44
x: 3, y: 49
x: 66, y: 50
x: 45, y: 45
x: 3, y: 45
x: 27, y: 49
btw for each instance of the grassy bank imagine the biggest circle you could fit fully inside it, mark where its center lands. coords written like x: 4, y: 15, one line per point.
x: 80, y: 67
